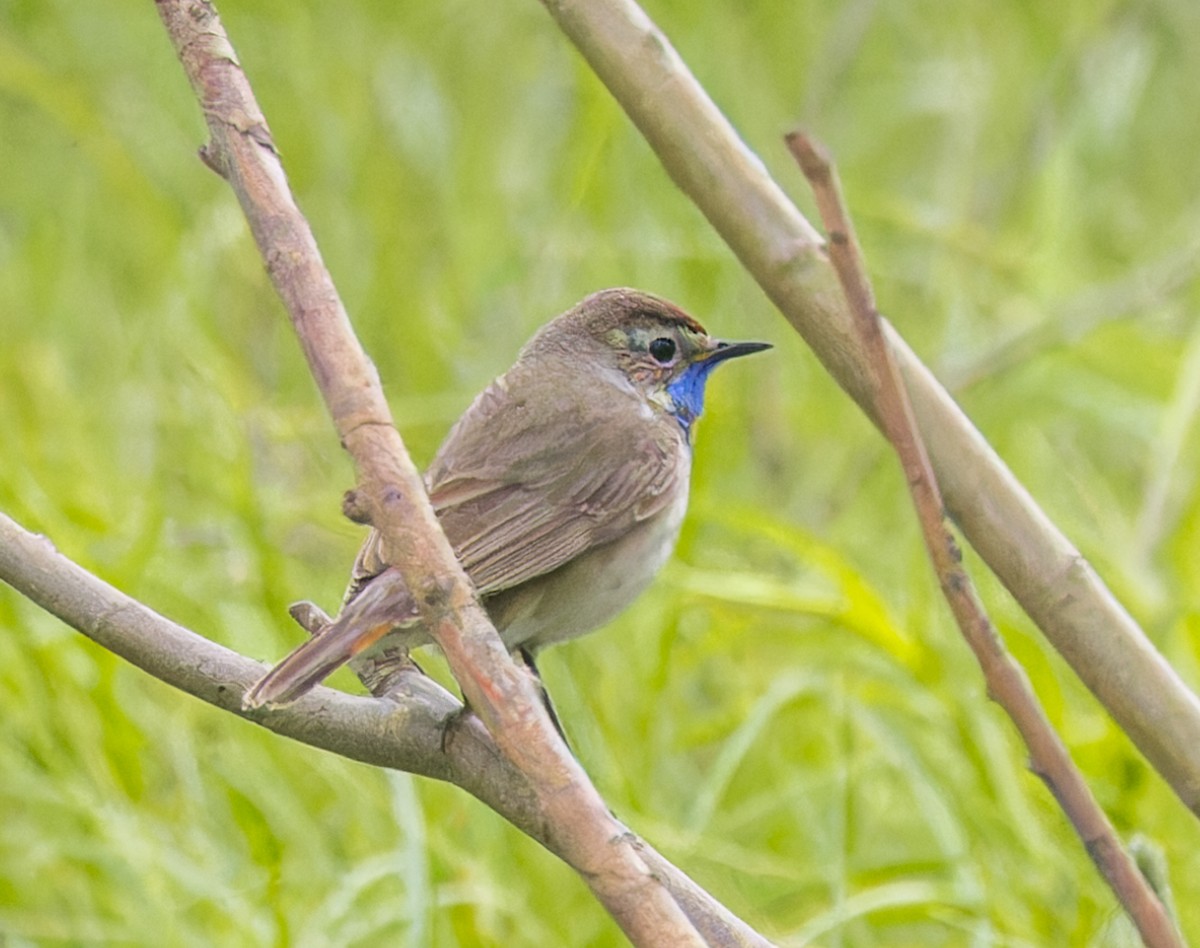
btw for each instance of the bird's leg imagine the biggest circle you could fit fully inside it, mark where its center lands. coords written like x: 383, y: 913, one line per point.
x: 382, y: 668
x: 458, y: 719
x: 455, y: 722
x: 527, y: 657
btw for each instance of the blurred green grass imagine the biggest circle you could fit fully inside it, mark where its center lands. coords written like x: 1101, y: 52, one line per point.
x: 788, y: 713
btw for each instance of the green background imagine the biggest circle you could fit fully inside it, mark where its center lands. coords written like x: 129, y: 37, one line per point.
x: 788, y: 713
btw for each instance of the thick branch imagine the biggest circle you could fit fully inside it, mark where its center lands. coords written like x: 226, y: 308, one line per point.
x: 1054, y: 584
x: 1006, y: 681
x: 241, y: 149
x: 405, y: 732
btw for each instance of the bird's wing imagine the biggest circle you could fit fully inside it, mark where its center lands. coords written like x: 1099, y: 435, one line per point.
x: 521, y: 493
x: 506, y: 533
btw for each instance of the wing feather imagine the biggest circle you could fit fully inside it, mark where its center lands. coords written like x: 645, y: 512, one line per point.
x: 519, y: 493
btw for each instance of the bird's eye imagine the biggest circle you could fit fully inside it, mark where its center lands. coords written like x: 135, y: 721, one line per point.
x: 663, y: 349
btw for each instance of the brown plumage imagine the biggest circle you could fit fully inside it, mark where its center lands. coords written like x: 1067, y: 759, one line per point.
x: 562, y: 488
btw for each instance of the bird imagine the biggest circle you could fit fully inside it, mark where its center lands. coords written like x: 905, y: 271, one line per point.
x: 561, y: 489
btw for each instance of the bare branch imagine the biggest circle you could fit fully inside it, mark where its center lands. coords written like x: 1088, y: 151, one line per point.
x: 391, y: 491
x: 406, y: 731
x: 404, y: 736
x: 1053, y: 583
x: 1006, y: 681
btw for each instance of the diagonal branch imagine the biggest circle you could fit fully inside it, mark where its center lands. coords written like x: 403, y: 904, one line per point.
x: 407, y: 731
x: 241, y: 150
x: 1053, y: 582
x: 1006, y: 681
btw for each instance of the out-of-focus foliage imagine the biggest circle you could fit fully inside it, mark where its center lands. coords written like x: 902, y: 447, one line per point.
x: 788, y: 713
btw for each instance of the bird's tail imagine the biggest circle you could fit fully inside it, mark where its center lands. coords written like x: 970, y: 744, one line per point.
x: 382, y: 605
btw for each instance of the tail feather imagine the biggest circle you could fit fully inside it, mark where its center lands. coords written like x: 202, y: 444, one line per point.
x: 382, y: 605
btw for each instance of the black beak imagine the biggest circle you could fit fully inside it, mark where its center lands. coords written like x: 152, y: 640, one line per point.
x: 731, y: 350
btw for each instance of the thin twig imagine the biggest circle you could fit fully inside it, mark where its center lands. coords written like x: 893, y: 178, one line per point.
x: 241, y: 150
x: 1006, y: 680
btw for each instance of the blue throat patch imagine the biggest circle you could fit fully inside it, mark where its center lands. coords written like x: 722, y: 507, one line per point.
x: 687, y: 393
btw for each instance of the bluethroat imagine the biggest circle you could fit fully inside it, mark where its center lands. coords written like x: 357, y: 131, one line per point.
x: 561, y: 489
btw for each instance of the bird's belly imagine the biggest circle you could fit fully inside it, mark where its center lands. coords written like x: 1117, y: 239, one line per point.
x: 592, y: 589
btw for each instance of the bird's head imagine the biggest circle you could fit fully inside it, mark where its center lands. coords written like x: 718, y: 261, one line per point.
x: 665, y: 353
